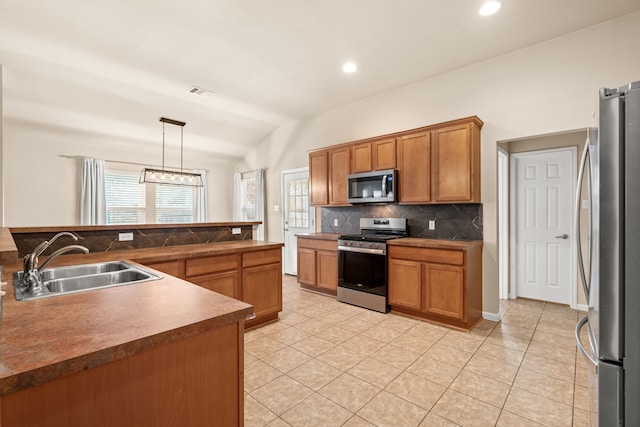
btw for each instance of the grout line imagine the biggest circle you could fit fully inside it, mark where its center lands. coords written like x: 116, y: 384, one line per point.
x: 482, y: 338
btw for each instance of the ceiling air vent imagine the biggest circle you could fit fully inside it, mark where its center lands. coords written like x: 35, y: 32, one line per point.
x: 199, y: 91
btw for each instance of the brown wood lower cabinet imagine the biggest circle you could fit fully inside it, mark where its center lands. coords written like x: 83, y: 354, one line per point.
x: 443, y: 285
x: 195, y: 381
x: 218, y: 273
x: 262, y: 284
x: 254, y: 277
x: 406, y: 277
x: 227, y: 283
x: 318, y: 264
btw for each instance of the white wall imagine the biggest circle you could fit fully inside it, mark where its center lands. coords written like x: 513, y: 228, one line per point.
x: 1, y: 154
x: 546, y: 88
x: 42, y: 188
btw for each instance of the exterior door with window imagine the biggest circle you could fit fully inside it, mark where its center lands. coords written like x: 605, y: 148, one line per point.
x: 298, y: 216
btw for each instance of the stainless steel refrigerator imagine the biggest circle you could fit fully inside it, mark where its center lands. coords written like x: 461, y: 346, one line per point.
x: 610, y: 267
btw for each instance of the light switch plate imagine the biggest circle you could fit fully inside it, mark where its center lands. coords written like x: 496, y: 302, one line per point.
x: 276, y: 208
x: 236, y: 230
x: 125, y: 237
x: 432, y: 224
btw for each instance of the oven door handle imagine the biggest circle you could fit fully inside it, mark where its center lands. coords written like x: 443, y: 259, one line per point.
x: 363, y: 250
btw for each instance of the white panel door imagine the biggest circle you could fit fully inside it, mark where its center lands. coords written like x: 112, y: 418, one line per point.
x: 544, y: 184
x: 298, y: 216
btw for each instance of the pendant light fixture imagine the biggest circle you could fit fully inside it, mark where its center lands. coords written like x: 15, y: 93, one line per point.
x: 164, y: 176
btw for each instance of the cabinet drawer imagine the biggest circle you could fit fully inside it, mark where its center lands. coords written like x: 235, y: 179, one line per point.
x: 323, y: 245
x: 211, y: 264
x: 249, y: 259
x: 439, y: 256
x: 169, y: 267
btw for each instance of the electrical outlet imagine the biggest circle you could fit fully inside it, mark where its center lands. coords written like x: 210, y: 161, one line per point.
x: 432, y: 224
x: 236, y: 230
x: 125, y: 237
x: 335, y: 222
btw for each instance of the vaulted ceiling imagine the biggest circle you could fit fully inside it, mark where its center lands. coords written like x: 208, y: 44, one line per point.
x: 120, y: 64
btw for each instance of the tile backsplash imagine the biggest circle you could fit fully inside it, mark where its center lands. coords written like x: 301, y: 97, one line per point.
x: 453, y: 222
x: 107, y: 239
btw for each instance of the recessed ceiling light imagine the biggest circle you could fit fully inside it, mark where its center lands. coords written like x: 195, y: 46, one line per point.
x: 489, y: 8
x: 349, y: 67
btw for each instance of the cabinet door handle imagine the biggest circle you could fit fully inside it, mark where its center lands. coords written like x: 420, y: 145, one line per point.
x: 563, y: 236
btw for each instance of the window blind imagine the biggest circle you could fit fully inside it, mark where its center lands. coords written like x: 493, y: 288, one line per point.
x: 174, y: 204
x: 125, y: 198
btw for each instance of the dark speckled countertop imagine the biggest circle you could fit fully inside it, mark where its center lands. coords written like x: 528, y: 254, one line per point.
x: 43, y: 339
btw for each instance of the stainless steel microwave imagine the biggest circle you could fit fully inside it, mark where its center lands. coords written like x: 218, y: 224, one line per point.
x: 373, y: 187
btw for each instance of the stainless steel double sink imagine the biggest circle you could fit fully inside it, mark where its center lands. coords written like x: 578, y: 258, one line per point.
x: 80, y: 278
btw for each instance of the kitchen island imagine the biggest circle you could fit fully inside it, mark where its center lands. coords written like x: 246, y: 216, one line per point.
x: 158, y: 353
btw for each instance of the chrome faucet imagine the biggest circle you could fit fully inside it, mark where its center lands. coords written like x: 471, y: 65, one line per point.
x: 61, y: 251
x: 31, y: 260
x: 31, y: 273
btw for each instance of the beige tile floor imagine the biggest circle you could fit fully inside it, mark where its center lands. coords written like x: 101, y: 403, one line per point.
x: 325, y: 363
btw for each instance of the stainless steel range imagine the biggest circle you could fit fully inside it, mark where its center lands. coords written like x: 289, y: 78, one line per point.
x: 362, y: 262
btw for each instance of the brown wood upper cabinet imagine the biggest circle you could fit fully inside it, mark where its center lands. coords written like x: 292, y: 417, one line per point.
x: 319, y: 177
x: 436, y: 164
x: 338, y: 173
x: 455, y: 165
x: 328, y: 171
x: 414, y: 168
x: 361, y: 158
x: 374, y: 155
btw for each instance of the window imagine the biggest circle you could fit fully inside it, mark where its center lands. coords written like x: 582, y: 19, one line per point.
x: 129, y: 202
x: 298, y: 203
x: 125, y: 198
x: 248, y: 197
x: 174, y: 204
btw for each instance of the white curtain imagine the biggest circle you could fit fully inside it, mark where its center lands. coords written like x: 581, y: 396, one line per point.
x: 93, y: 209
x: 200, y: 199
x: 261, y: 232
x: 237, y: 196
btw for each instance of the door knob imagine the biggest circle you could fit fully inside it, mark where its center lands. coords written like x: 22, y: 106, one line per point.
x: 563, y: 236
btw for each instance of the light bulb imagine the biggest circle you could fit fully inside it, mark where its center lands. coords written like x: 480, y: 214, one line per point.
x: 489, y: 8
x: 349, y: 68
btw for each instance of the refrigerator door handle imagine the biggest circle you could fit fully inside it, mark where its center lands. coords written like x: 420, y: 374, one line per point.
x: 583, y: 275
x: 581, y: 348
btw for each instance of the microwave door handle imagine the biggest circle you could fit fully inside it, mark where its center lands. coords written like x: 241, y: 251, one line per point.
x: 384, y: 185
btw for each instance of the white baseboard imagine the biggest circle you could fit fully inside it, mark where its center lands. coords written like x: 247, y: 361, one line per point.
x: 581, y: 307
x: 495, y: 317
